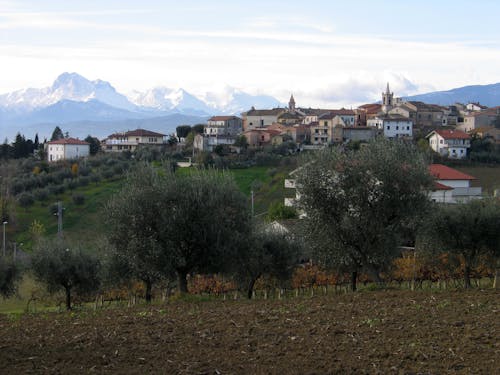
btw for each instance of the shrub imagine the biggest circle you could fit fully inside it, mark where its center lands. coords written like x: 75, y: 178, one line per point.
x: 95, y: 178
x: 84, y: 171
x: 83, y: 181
x: 78, y: 199
x: 56, y: 189
x: 41, y: 194
x: 25, y: 199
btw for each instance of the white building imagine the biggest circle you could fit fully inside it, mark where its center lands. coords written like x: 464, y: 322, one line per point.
x: 129, y: 141
x: 452, y: 186
x: 66, y: 148
x: 450, y: 143
x: 392, y: 126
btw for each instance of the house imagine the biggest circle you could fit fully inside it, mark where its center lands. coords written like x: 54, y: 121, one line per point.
x: 220, y: 130
x: 475, y: 107
x: 392, y: 126
x: 260, y: 118
x: 450, y: 143
x: 452, y: 186
x: 66, y: 148
x: 487, y: 132
x: 130, y: 140
x: 260, y: 136
x: 474, y: 120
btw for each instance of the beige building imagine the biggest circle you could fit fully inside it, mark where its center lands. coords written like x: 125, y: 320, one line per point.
x: 66, y: 148
x: 129, y: 141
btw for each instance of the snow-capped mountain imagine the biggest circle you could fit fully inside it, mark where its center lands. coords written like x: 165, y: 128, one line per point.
x: 171, y: 100
x: 68, y: 86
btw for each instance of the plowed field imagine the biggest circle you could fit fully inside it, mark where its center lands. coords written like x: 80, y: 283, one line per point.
x: 384, y: 332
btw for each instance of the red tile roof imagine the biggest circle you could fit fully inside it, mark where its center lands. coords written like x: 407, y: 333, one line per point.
x: 136, y: 133
x: 222, y: 118
x: 452, y: 134
x: 442, y: 172
x: 68, y: 141
x: 438, y: 186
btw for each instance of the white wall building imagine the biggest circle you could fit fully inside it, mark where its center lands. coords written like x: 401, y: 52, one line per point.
x: 450, y: 143
x: 66, y: 148
x: 130, y: 140
x: 392, y: 126
x: 452, y: 186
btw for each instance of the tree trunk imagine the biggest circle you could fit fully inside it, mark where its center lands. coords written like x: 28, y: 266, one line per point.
x: 467, y: 277
x: 354, y: 279
x: 149, y: 286
x: 251, y: 286
x: 68, y: 298
x: 182, y: 281
x: 495, y: 280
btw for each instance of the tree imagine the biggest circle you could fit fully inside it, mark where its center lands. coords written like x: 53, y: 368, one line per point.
x: 241, y: 141
x: 57, y: 134
x: 361, y: 204
x: 204, y: 220
x: 9, y: 276
x: 95, y: 144
x: 161, y: 223
x: 182, y: 131
x: 133, y: 218
x: 60, y: 265
x: 198, y: 128
x: 469, y: 230
x: 266, y: 253
x: 278, y: 211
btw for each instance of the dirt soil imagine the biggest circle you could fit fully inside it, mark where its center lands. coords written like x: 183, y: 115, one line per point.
x: 386, y: 332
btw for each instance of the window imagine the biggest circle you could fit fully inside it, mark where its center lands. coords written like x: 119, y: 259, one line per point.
x: 441, y: 141
x: 261, y: 122
x: 408, y: 127
x: 388, y: 127
x: 325, y: 123
x: 397, y: 127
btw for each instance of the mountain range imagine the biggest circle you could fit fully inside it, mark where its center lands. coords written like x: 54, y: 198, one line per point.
x: 488, y: 95
x: 83, y: 107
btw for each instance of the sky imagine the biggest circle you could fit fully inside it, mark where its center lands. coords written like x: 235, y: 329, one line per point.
x: 324, y: 52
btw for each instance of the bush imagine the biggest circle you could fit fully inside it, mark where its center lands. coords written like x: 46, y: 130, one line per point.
x: 95, y: 178
x: 70, y: 184
x: 41, y: 194
x: 83, y: 181
x: 78, y: 199
x: 25, y: 199
x: 84, y: 171
x: 56, y: 189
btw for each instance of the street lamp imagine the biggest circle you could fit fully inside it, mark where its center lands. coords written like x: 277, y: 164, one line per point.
x: 4, y: 249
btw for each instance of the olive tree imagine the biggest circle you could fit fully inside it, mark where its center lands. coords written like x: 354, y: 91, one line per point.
x: 164, y: 222
x: 469, y: 230
x: 9, y: 276
x: 133, y: 221
x: 63, y: 266
x: 360, y: 204
x: 204, y: 220
x: 266, y: 253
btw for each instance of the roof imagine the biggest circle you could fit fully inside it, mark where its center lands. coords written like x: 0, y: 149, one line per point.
x: 337, y: 112
x: 371, y: 108
x: 265, y: 112
x: 439, y: 186
x: 424, y: 107
x: 137, y: 133
x: 222, y: 118
x: 450, y: 134
x: 68, y: 141
x: 442, y: 172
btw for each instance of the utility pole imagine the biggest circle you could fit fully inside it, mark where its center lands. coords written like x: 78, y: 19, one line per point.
x: 59, y: 219
x: 252, y: 205
x: 4, y: 248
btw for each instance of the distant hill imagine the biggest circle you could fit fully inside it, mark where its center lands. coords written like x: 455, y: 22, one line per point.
x: 488, y: 95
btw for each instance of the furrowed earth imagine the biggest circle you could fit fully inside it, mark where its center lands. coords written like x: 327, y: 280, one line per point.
x: 376, y: 332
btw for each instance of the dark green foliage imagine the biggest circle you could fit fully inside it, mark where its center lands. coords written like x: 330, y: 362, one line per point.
x: 265, y: 253
x: 182, y: 131
x: 57, y: 134
x: 278, y: 211
x: 361, y: 205
x: 241, y: 141
x: 63, y: 266
x: 164, y: 223
x: 25, y: 199
x: 78, y: 199
x: 198, y: 128
x: 469, y: 230
x: 95, y: 144
x: 9, y: 276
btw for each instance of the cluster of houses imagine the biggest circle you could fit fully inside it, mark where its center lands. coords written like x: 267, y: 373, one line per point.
x: 447, y: 129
